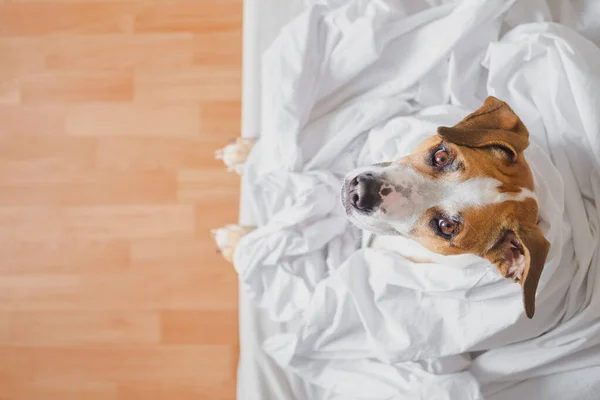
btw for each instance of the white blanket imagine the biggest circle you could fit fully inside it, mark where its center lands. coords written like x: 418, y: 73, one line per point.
x: 351, y: 83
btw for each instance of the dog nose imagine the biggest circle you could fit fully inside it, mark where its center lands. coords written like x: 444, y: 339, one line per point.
x: 364, y: 192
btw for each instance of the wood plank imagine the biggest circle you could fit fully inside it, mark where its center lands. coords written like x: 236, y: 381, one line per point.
x: 189, y: 16
x: 139, y: 120
x: 28, y: 148
x: 147, y: 286
x: 169, y: 153
x: 29, y: 224
x: 214, y: 48
x: 46, y: 155
x: 173, y: 365
x: 42, y: 18
x: 207, y: 188
x: 78, y: 86
x: 22, y: 55
x: 82, y: 328
x: 119, y: 51
x: 183, y: 327
x: 187, y: 84
x: 98, y: 223
x: 10, y: 92
x: 42, y: 120
x: 99, y: 187
x: 160, y: 391
x: 128, y: 222
x: 35, y: 390
x: 175, y: 250
x: 20, y: 257
x: 221, y: 118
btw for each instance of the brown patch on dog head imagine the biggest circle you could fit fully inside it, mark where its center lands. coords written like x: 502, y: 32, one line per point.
x: 486, y: 143
x: 493, y: 125
x: 506, y: 234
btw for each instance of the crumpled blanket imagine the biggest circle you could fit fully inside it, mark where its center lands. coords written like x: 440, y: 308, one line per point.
x: 351, y: 83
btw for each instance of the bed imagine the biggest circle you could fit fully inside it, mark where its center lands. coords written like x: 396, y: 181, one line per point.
x: 260, y: 375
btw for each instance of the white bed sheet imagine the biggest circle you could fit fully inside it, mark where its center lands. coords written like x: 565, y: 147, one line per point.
x: 259, y: 376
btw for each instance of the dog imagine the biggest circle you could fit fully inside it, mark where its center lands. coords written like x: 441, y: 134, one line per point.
x: 466, y: 189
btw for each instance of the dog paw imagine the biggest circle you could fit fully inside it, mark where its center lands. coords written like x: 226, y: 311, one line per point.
x: 227, y: 238
x: 234, y: 155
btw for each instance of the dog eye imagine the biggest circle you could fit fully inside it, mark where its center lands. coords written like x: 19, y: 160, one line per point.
x: 441, y: 158
x: 447, y: 227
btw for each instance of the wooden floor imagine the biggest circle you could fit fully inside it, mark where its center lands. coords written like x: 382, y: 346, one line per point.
x: 110, y: 112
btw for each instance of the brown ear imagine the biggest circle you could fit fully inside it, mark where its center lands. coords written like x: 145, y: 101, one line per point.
x: 520, y: 256
x: 494, y: 124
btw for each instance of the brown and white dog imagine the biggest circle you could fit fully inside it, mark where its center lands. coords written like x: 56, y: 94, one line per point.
x: 467, y: 189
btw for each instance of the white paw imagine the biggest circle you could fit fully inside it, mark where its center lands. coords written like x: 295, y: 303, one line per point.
x: 227, y: 238
x: 234, y: 155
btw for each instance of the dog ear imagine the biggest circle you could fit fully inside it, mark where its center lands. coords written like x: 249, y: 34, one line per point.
x: 493, y: 125
x: 520, y: 255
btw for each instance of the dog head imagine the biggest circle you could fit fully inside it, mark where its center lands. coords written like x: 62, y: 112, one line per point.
x: 467, y: 189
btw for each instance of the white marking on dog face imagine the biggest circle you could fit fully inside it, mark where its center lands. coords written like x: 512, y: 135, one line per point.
x: 478, y: 192
x: 407, y: 194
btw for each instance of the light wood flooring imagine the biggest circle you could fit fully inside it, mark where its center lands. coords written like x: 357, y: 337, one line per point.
x: 110, y: 112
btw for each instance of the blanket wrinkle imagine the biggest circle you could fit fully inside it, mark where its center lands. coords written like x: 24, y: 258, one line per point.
x: 355, y: 82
